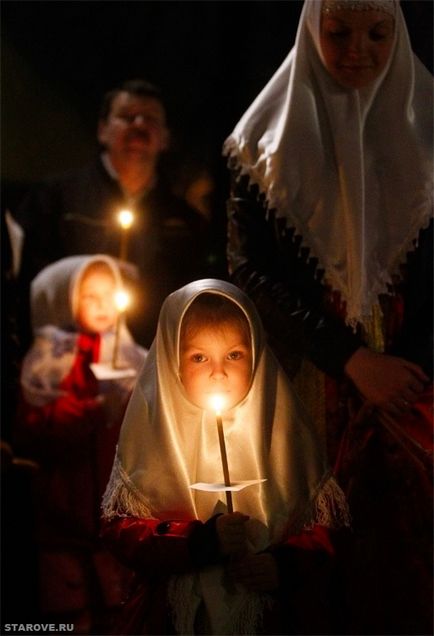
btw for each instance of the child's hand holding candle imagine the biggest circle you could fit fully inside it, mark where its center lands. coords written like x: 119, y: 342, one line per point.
x: 231, y: 533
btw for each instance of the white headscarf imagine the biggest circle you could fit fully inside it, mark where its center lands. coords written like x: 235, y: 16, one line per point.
x: 53, y: 301
x: 350, y: 170
x: 53, y: 293
x: 167, y: 443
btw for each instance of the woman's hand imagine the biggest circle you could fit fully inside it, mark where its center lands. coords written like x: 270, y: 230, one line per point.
x: 231, y: 533
x: 257, y: 572
x: 389, y: 383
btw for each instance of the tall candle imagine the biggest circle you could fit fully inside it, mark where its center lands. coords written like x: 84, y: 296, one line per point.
x: 126, y: 219
x: 217, y: 403
x: 122, y: 301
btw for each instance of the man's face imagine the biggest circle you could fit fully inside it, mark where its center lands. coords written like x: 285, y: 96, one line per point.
x: 135, y: 128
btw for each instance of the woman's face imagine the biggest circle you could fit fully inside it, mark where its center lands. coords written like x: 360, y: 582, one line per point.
x: 216, y: 361
x: 356, y: 45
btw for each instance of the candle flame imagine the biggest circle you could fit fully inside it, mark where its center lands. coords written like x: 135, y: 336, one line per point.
x: 122, y: 300
x: 125, y: 218
x: 217, y: 402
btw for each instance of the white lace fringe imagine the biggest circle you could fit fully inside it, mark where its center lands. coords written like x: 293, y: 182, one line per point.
x: 330, y: 505
x: 240, y: 162
x: 122, y: 498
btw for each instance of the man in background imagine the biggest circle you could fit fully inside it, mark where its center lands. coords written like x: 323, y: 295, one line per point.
x: 166, y: 245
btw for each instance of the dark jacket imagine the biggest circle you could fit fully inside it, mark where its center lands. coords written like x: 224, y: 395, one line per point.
x: 76, y: 214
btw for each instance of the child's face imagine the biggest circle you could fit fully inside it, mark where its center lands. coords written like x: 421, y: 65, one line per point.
x: 96, y: 310
x: 216, y: 361
x: 356, y: 45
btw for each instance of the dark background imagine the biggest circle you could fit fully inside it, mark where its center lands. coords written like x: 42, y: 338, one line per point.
x: 210, y: 59
x: 58, y: 58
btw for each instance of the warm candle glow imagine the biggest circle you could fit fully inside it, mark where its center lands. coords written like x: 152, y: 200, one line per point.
x: 122, y: 300
x: 217, y: 402
x: 125, y: 218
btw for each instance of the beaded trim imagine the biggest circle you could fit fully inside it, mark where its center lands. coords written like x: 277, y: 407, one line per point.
x: 387, y: 6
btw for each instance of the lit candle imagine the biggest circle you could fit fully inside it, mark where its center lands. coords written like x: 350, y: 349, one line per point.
x: 122, y: 300
x: 217, y: 402
x: 126, y: 219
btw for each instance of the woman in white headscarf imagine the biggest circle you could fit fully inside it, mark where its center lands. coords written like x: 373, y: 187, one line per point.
x: 69, y: 422
x: 171, y: 534
x: 330, y: 233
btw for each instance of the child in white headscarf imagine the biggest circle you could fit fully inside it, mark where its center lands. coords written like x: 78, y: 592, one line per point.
x: 204, y: 570
x: 330, y: 234
x: 69, y: 422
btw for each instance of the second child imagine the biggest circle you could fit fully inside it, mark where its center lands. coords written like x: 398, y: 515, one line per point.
x: 69, y: 423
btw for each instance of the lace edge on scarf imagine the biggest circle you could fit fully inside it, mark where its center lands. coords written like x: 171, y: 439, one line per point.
x: 122, y: 498
x: 330, y: 507
x: 238, y: 164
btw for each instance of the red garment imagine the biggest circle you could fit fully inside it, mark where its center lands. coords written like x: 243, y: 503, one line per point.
x: 70, y: 439
x: 388, y: 477
x: 156, y: 549
x: 385, y: 466
x: 75, y: 448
